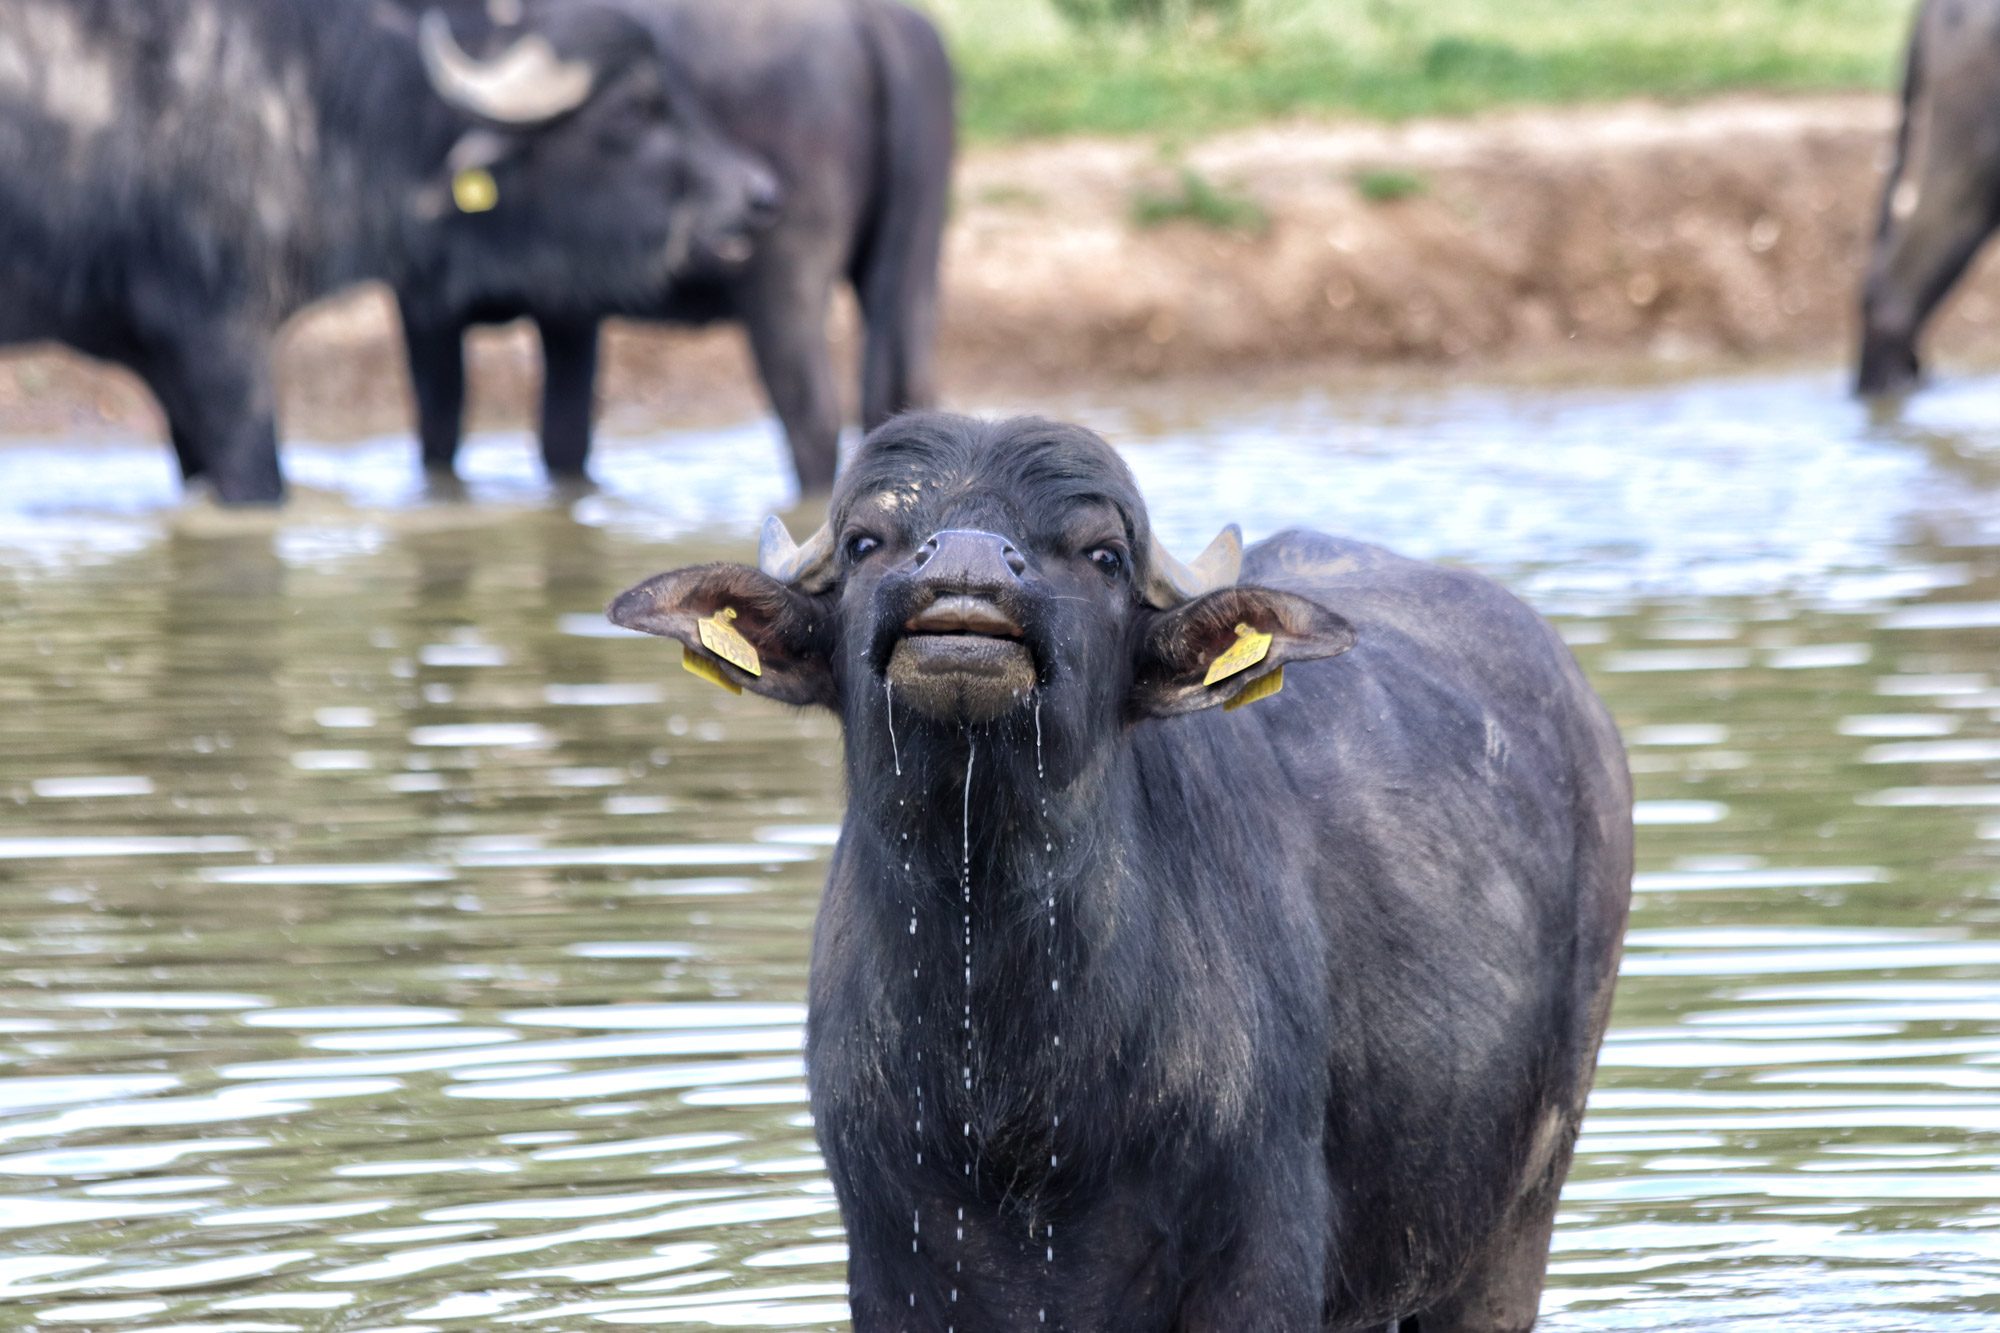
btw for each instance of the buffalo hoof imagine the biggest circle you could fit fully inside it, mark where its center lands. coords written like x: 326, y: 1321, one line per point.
x: 243, y: 492
x: 1893, y: 383
x: 1888, y: 368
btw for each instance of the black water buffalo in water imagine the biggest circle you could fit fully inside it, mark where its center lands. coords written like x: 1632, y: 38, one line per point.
x: 851, y: 103
x: 178, y: 176
x: 1129, y: 1012
x: 1942, y: 199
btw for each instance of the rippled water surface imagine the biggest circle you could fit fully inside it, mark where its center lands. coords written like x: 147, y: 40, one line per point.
x: 390, y: 943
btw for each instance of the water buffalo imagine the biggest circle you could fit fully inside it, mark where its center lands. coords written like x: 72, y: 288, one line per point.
x: 851, y: 103
x: 1130, y: 1012
x: 178, y: 176
x: 1942, y: 199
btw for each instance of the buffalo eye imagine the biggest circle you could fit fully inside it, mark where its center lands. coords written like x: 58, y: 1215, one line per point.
x: 859, y: 545
x: 1109, y: 559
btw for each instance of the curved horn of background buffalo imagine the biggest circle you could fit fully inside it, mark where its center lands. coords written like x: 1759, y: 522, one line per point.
x: 808, y: 567
x: 1170, y: 583
x: 524, y: 85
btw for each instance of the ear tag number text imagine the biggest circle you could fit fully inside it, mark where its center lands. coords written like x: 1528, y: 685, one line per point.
x: 694, y: 662
x: 722, y: 638
x: 474, y: 190
x: 1263, y: 687
x: 1248, y: 650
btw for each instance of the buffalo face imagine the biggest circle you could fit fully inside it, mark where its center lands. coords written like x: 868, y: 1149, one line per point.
x: 995, y: 575
x: 591, y: 171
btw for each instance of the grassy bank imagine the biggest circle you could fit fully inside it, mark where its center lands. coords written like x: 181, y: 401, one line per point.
x: 1028, y: 71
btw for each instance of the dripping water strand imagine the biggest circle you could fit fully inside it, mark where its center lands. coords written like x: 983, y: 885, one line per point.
x: 1038, y: 736
x: 889, y: 706
x: 965, y: 893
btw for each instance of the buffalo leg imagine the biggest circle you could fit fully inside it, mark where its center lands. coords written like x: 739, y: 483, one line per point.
x: 167, y: 391
x: 1938, y: 204
x: 242, y: 464
x: 185, y: 450
x: 569, y: 392
x: 216, y: 388
x: 1271, y: 1277
x: 436, y: 351
x: 897, y: 276
x: 1501, y: 1291
x: 787, y: 329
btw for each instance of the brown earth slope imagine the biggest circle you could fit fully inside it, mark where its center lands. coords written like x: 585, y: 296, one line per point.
x: 1539, y: 240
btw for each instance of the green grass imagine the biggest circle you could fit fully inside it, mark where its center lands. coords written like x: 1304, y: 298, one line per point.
x: 1028, y: 71
x: 1199, y: 200
x: 1384, y: 185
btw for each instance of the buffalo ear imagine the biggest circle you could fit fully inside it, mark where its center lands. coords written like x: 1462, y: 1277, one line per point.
x: 791, y: 632
x: 1176, y: 647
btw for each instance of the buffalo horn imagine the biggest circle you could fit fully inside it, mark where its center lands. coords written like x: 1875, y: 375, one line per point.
x: 526, y: 84
x: 806, y: 567
x: 1172, y: 582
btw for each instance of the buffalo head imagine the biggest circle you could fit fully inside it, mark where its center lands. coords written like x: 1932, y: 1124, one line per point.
x: 590, y: 172
x: 996, y: 575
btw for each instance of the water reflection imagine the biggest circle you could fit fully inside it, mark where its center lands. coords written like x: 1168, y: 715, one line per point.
x: 393, y: 943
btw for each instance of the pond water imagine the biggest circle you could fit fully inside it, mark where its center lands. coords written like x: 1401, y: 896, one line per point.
x: 390, y: 943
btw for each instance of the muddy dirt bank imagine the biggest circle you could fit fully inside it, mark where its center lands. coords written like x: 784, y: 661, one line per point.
x: 1538, y: 241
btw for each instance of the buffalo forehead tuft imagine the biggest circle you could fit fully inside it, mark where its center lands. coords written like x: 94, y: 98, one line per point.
x: 1039, y: 469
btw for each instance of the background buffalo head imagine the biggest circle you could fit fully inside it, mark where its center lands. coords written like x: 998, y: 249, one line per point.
x: 590, y: 174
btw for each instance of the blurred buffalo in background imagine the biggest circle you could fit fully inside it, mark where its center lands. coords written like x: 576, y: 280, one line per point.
x: 1942, y: 199
x: 178, y: 176
x: 851, y: 102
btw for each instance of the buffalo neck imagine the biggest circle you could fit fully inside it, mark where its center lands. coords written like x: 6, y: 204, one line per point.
x: 996, y: 868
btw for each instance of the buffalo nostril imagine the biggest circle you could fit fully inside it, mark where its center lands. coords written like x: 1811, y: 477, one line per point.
x: 1015, y: 560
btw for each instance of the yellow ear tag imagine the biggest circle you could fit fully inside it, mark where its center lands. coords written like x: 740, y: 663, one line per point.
x: 1263, y: 687
x: 474, y: 190
x: 694, y: 662
x: 1248, y: 650
x: 721, y: 638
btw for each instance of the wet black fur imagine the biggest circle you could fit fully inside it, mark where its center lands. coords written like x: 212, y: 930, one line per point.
x: 232, y: 181
x: 1275, y: 1019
